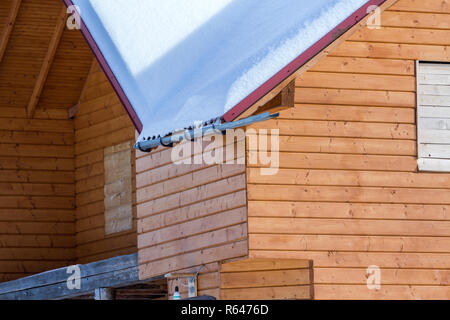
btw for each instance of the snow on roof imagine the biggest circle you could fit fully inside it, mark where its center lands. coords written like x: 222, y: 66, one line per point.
x: 184, y: 61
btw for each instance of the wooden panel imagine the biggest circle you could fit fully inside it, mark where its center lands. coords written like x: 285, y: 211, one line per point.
x: 118, y: 188
x: 348, y: 193
x: 266, y: 279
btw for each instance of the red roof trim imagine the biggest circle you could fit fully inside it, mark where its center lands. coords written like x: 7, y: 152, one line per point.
x: 298, y: 62
x: 109, y: 73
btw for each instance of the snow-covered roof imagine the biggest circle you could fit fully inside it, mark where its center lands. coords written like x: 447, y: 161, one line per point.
x: 179, y: 61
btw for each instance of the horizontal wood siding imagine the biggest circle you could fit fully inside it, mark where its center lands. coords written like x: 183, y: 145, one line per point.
x: 101, y: 123
x: 37, y: 195
x: 189, y: 215
x: 348, y: 194
x: 267, y: 279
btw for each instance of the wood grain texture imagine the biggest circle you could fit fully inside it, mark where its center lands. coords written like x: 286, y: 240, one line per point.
x: 189, y: 214
x: 104, y: 164
x: 348, y: 193
x: 266, y: 279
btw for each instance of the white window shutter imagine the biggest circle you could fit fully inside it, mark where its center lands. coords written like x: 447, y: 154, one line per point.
x: 433, y: 116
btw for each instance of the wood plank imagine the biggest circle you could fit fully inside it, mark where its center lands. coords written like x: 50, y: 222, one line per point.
x: 437, y: 6
x: 438, y: 79
x: 437, y: 151
x: 389, y: 276
x: 349, y: 113
x: 392, y: 51
x: 434, y: 136
x: 4, y: 39
x: 264, y: 265
x: 365, y: 65
x: 344, y: 161
x: 415, y: 20
x: 390, y: 292
x: 403, y: 35
x: 356, y: 81
x: 266, y: 208
x: 282, y: 293
x: 348, y: 227
x: 47, y: 63
x: 261, y: 279
x: 442, y: 68
x: 434, y: 165
x: 350, y: 178
x: 353, y: 194
x: 361, y: 243
x: 114, y: 272
x: 353, y: 97
x: 340, y: 129
x: 344, y: 145
x: 362, y: 259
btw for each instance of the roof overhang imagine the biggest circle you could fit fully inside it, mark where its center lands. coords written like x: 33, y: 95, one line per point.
x: 269, y: 89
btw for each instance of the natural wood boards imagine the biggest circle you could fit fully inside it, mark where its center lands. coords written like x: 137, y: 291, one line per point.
x: 47, y: 63
x: 348, y: 193
x: 104, y: 173
x: 189, y: 214
x: 266, y: 279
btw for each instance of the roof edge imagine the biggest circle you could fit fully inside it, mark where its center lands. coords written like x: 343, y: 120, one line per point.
x: 257, y: 94
x: 108, y: 72
x: 301, y: 60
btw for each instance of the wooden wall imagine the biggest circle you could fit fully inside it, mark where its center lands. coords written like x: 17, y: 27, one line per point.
x: 37, y: 196
x: 189, y: 215
x: 267, y: 279
x: 348, y: 194
x: 100, y: 123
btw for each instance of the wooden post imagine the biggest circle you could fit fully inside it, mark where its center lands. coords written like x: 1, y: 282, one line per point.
x: 104, y: 294
x: 48, y: 60
x: 9, y: 26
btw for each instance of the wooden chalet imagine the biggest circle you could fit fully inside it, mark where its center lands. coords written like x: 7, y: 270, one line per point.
x: 363, y: 178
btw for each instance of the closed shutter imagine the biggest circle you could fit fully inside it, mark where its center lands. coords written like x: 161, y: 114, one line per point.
x: 433, y: 116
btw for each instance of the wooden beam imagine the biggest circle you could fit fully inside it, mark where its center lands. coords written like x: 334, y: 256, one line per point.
x: 275, y: 91
x: 48, y: 60
x: 9, y: 27
x: 104, y: 294
x: 283, y: 100
x: 110, y: 273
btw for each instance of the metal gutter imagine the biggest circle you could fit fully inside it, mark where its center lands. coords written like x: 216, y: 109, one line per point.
x: 193, y: 133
